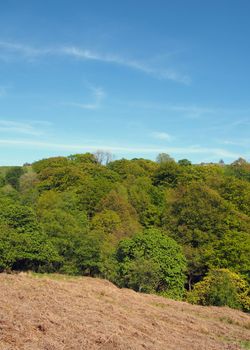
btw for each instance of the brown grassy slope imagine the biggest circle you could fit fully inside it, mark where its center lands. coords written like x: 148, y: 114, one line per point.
x: 85, y: 313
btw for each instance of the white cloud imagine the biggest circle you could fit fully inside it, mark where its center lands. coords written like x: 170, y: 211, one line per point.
x: 42, y: 123
x: 97, y: 95
x: 162, y: 136
x: 30, y: 52
x: 196, y: 111
x: 189, y: 150
x: 168, y: 74
x: 241, y: 142
x: 18, y: 128
x: 25, y: 50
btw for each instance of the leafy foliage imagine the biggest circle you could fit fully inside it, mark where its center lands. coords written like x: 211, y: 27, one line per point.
x: 222, y: 288
x: 154, y: 257
x: 13, y: 175
x: 132, y: 221
x: 26, y: 251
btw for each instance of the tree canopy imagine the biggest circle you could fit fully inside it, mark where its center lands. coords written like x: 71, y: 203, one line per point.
x: 166, y: 227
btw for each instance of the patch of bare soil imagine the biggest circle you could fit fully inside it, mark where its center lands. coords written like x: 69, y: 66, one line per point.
x: 84, y: 313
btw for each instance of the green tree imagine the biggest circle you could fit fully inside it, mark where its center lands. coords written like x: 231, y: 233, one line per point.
x: 126, y: 168
x: 221, y: 287
x: 117, y: 201
x: 13, y: 175
x: 147, y: 200
x: 232, y: 251
x: 236, y: 191
x: 19, y: 217
x: 91, y: 192
x: 164, y: 158
x: 83, y: 158
x: 199, y: 215
x: 88, y: 255
x: 184, y: 162
x: 53, y: 162
x: 26, y: 251
x: 107, y: 221
x: 143, y: 275
x: 168, y: 263
x: 167, y: 174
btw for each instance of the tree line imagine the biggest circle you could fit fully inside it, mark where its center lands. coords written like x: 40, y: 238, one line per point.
x: 177, y: 229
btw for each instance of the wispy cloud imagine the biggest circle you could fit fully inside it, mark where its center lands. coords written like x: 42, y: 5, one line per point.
x: 190, y: 111
x: 42, y: 123
x: 189, y: 150
x: 161, y: 136
x: 241, y: 122
x: 25, y: 50
x: 30, y: 52
x: 168, y: 74
x: 194, y: 111
x: 97, y: 95
x: 241, y: 142
x: 8, y: 126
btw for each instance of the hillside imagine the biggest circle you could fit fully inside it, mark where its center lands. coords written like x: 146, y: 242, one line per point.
x: 56, y: 313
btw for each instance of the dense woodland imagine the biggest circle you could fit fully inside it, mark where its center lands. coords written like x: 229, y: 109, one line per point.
x: 165, y: 227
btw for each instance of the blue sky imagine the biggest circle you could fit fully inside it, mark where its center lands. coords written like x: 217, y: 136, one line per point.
x: 134, y: 77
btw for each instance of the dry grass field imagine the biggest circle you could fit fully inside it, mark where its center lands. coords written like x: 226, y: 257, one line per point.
x: 55, y: 312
